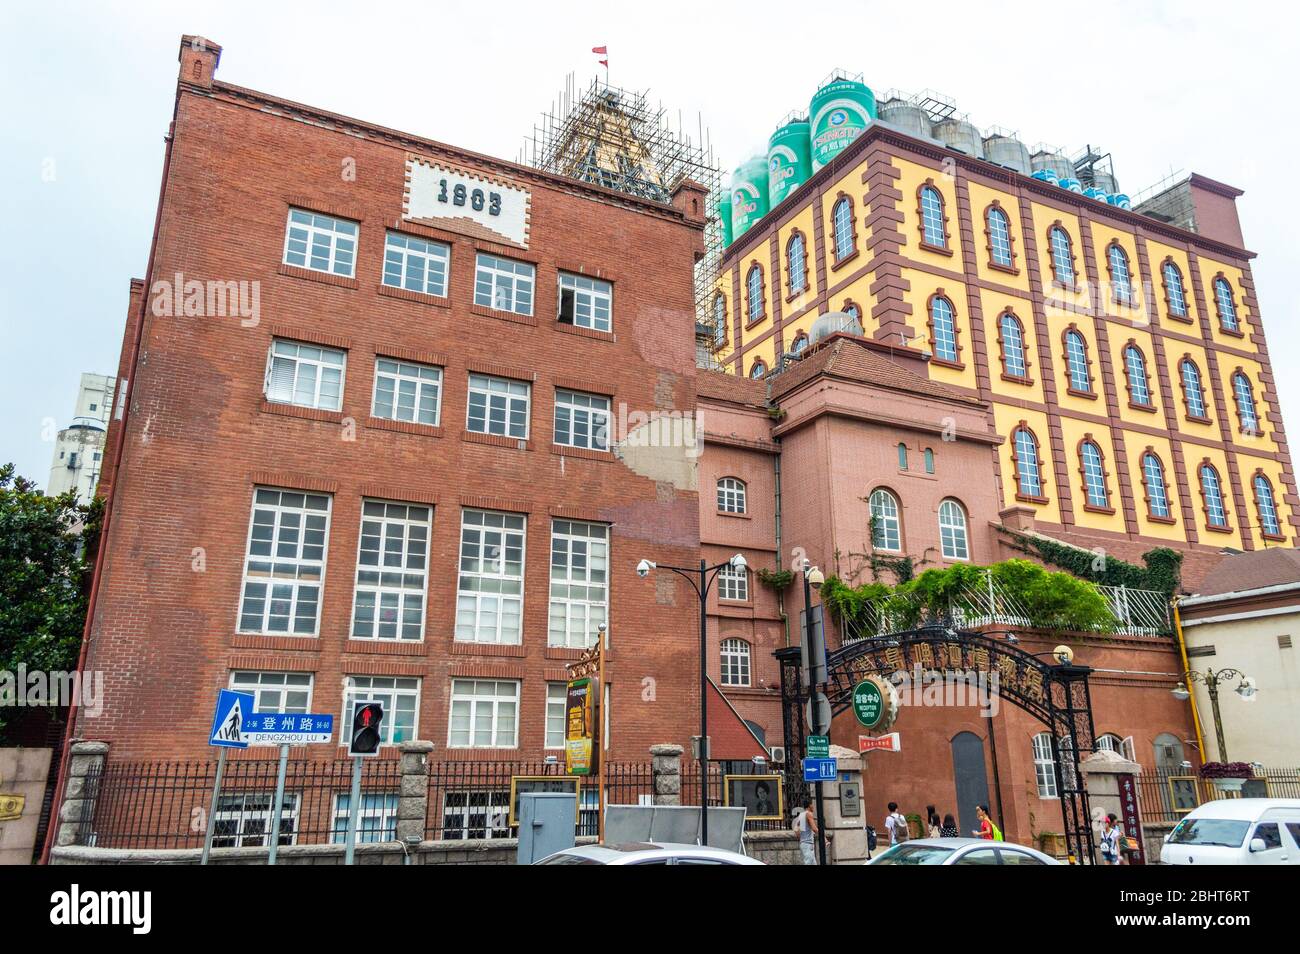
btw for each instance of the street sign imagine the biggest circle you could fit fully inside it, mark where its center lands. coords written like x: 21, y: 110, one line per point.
x: 820, y: 770
x: 820, y: 717
x: 228, y: 720
x: 277, y: 728
x: 868, y: 703
x: 880, y: 743
x: 819, y: 746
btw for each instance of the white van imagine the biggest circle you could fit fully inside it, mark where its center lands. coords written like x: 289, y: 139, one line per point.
x: 1237, y: 831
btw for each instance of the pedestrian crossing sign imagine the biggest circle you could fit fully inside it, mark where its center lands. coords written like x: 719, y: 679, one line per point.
x: 228, y: 720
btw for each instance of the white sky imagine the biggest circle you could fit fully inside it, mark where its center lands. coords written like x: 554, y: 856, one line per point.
x: 1206, y: 87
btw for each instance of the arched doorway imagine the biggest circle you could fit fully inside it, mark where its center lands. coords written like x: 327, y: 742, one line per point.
x: 970, y: 778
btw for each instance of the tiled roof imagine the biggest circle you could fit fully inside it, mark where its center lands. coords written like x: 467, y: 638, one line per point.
x: 731, y: 387
x: 854, y: 360
x: 1252, y: 571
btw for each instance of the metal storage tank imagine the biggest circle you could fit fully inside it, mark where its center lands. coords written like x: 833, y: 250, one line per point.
x: 1008, y: 151
x: 748, y: 195
x: 960, y: 135
x: 838, y: 113
x: 789, y: 160
x: 1054, y: 162
x: 1105, y: 181
x: 907, y: 117
x: 724, y: 214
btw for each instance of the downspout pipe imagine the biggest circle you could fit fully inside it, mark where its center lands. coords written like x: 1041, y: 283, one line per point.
x: 1191, y: 690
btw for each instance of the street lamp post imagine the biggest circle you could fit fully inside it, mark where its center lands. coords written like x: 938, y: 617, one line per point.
x: 700, y: 578
x: 1246, y: 689
x: 816, y: 654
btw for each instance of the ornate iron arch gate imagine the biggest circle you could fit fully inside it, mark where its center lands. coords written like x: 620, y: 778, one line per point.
x: 1057, y: 695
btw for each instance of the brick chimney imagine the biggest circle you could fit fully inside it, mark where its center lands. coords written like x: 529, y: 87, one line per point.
x: 199, y: 58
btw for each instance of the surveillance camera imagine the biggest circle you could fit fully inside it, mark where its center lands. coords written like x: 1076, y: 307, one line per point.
x: 1064, y: 655
x: 643, y: 568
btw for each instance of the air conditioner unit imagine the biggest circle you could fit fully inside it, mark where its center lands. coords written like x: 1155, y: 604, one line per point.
x: 777, y: 752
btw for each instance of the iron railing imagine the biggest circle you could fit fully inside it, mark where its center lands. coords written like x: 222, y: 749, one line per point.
x: 1164, y: 797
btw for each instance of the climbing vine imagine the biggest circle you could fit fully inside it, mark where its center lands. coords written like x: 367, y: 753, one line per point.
x: 1161, y: 573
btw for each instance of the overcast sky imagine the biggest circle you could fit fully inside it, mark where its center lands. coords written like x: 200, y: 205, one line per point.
x: 87, y: 92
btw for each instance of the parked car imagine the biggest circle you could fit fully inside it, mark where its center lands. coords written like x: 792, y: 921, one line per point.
x: 647, y: 853
x: 961, y: 851
x: 1237, y: 831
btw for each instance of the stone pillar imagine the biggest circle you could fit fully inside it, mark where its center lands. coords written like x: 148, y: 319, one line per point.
x: 1102, y: 773
x: 413, y: 792
x: 85, y: 768
x: 846, y: 822
x: 666, y: 767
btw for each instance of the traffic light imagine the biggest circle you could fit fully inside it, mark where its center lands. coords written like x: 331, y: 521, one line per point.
x: 367, y: 718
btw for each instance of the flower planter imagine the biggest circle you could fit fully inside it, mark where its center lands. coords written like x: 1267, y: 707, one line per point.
x: 1229, y: 785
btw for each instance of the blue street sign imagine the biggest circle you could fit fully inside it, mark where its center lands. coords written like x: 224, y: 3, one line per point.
x: 228, y: 720
x: 278, y: 728
x: 820, y: 770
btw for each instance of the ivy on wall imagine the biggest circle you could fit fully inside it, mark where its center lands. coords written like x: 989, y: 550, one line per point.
x: 1161, y: 573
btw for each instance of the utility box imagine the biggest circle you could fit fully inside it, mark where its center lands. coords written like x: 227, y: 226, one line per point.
x: 547, y: 824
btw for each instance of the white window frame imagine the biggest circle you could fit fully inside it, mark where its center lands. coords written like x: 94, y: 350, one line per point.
x: 271, y: 690
x: 416, y: 264
x: 1157, y: 490
x: 557, y: 700
x: 410, y: 380
x: 1045, y: 766
x: 1227, y: 305
x: 1062, y: 256
x: 732, y: 495
x: 735, y: 656
x: 1029, y: 472
x: 500, y: 398
x: 1094, y: 475
x: 932, y: 224
x: 280, y: 533
x: 733, y: 584
x: 943, y: 324
x: 586, y: 419
x: 719, y: 320
x: 504, y: 284
x: 376, y: 807
x: 1191, y: 375
x: 1214, y: 504
x: 302, y: 355
x: 243, y: 814
x: 886, y: 522
x: 1076, y: 353
x: 472, y: 699
x: 953, y: 538
x: 579, y: 596
x: 755, y: 308
x: 1013, y: 346
x: 407, y: 582
x: 492, y: 584
x: 392, y: 692
x: 1247, y: 412
x: 1266, y: 503
x: 842, y: 221
x: 593, y: 301
x: 1135, y: 366
x: 1121, y: 282
x: 337, y: 238
x: 495, y: 807
x: 1175, y: 290
x: 1000, y: 238
x: 796, y: 264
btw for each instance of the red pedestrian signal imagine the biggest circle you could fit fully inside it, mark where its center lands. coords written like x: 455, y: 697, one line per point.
x: 367, y: 722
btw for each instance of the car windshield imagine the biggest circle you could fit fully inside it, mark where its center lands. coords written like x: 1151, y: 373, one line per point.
x: 569, y: 860
x: 1223, y: 832
x: 914, y: 855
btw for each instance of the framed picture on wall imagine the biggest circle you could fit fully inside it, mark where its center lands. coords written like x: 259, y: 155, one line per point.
x: 1184, y: 795
x: 762, y: 796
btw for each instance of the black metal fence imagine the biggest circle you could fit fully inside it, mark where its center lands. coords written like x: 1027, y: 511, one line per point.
x: 1165, y: 797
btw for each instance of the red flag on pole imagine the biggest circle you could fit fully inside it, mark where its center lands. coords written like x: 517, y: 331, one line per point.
x: 603, y: 51
x: 599, y: 49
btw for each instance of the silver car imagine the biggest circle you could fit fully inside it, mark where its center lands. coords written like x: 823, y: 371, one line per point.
x: 646, y: 853
x: 961, y: 851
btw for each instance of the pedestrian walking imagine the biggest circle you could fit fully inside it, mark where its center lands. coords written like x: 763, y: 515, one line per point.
x: 896, y: 826
x: 1110, y: 840
x: 807, y: 827
x: 949, y: 827
x: 987, y: 830
x: 932, y: 823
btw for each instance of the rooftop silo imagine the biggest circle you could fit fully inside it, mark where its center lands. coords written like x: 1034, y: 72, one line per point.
x: 838, y: 113
x: 1105, y: 181
x: 960, y: 135
x: 1008, y: 151
x: 748, y: 195
x: 789, y: 160
x: 908, y: 117
x: 1053, y: 162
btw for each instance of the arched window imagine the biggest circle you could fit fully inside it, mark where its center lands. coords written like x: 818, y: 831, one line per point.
x: 1062, y: 250
x: 952, y: 531
x: 943, y: 329
x: 731, y: 495
x: 1267, y: 507
x: 1013, y: 346
x: 1169, y: 754
x: 1245, y: 396
x: 800, y: 342
x: 886, y: 530
x: 1121, y: 279
x: 929, y: 460
x: 999, y: 228
x: 902, y: 457
x: 1110, y: 742
x: 1153, y: 476
x: 842, y: 226
x: 1094, y: 475
x: 1076, y: 362
x: 1135, y: 366
x: 796, y: 264
x: 754, y: 292
x: 719, y: 320
x: 1029, y: 478
x: 1212, y: 492
x: 1192, y: 393
x: 1175, y: 296
x: 735, y: 662
x: 757, y: 370
x: 1045, y: 766
x: 933, y: 231
x: 1227, y: 305
x: 852, y: 310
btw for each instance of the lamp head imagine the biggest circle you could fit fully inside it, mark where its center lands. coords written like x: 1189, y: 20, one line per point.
x: 1247, y: 689
x: 738, y: 562
x: 1064, y: 654
x: 643, y: 568
x: 1180, y: 693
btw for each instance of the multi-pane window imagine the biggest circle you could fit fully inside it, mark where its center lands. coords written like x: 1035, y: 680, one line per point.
x: 842, y: 223
x: 286, y: 562
x: 1212, y: 491
x: 1227, y: 305
x: 1174, y: 290
x: 733, y: 583
x: 902, y: 457
x: 1076, y: 358
x: 999, y: 238
x: 557, y: 694
x: 1013, y: 347
x: 322, y: 243
x: 731, y: 495
x: 416, y: 264
x: 503, y: 284
x: 1157, y: 495
x: 932, y: 230
x: 795, y: 264
x: 1139, y: 390
x: 581, y: 420
x: 406, y: 391
x: 288, y: 693
x: 735, y: 662
x: 1192, y: 389
x: 943, y: 328
x: 886, y: 528
x: 242, y: 820
x: 719, y: 320
x: 400, y: 698
x: 1044, y: 766
x: 478, y: 813
x: 376, y: 822
x: 929, y: 460
x: 392, y: 566
x: 1028, y: 477
x: 1245, y: 397
x: 952, y: 531
x: 1094, y: 476
x: 305, y: 375
x: 490, y: 588
x: 498, y: 406
x: 585, y: 302
x: 1062, y: 256
x: 800, y: 343
x: 1121, y: 282
x: 1267, y: 506
x: 754, y: 290
x: 484, y: 714
x: 579, y: 582
x: 757, y: 370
